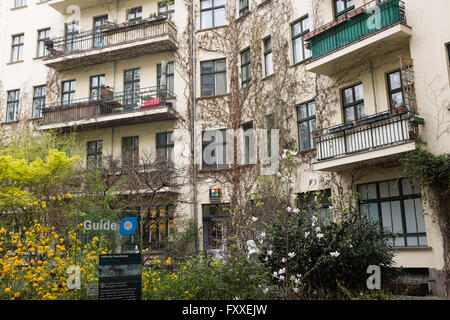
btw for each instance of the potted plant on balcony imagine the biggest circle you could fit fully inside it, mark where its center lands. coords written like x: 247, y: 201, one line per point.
x: 357, y: 122
x: 401, y: 109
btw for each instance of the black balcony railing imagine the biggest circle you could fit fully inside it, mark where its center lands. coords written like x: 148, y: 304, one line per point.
x: 109, y: 103
x: 358, y: 24
x: 374, y: 132
x: 111, y: 35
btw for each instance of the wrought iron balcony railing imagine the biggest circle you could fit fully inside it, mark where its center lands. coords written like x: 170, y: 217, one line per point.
x: 109, y: 103
x: 110, y: 36
x: 358, y: 24
x: 366, y: 134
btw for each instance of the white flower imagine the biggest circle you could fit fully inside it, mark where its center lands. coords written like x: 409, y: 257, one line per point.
x: 291, y: 254
x: 350, y: 245
x: 289, y: 209
x: 283, y: 260
x: 299, y: 275
x: 266, y: 259
x: 334, y: 254
x: 320, y: 235
x: 254, y: 219
x: 283, y: 156
x: 263, y: 234
x: 266, y: 290
x: 317, y: 229
x: 281, y: 278
x: 292, y: 185
x: 314, y: 218
x: 279, y: 174
x: 293, y: 278
x: 275, y: 274
x: 282, y: 270
x: 296, y: 210
x: 295, y: 290
x: 285, y: 151
x: 293, y: 153
x: 269, y: 252
x: 306, y: 234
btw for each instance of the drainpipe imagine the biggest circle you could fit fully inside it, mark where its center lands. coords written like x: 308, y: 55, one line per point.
x: 194, y: 136
x: 373, y: 87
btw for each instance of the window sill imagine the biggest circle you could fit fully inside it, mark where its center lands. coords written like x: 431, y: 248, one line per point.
x: 15, y: 62
x: 299, y: 63
x: 263, y: 3
x: 412, y: 248
x: 10, y: 122
x: 268, y: 77
x: 33, y: 119
x: 42, y: 2
x: 213, y: 28
x: 40, y: 58
x: 212, y: 97
x: 207, y: 171
x: 17, y: 8
x: 243, y: 16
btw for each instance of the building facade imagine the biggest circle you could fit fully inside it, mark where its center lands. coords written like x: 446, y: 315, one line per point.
x: 361, y: 82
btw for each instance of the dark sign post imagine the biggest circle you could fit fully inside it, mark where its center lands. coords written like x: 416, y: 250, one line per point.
x: 120, y: 277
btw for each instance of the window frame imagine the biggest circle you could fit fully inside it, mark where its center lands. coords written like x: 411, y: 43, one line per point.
x: 166, y: 147
x: 136, y: 86
x: 70, y: 92
x: 401, y: 198
x: 98, y: 87
x: 15, y: 103
x: 215, y: 166
x: 325, y: 201
x: 343, y: 12
x: 133, y: 151
x: 301, y: 35
x: 167, y: 9
x: 41, y: 43
x: 23, y: 3
x: 249, y: 143
x: 246, y: 64
x: 213, y: 8
x: 97, y: 154
x: 219, y: 216
x: 307, y: 120
x: 18, y: 57
x: 244, y: 7
x: 213, y: 73
x: 168, y: 75
x: 97, y: 30
x: 394, y: 91
x: 353, y: 104
x: 154, y: 220
x: 134, y: 11
x: 71, y: 34
x: 267, y: 54
x: 39, y: 98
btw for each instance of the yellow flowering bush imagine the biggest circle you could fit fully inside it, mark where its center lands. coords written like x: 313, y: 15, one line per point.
x: 33, y: 263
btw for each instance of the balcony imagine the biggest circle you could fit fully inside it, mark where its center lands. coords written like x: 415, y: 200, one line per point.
x: 112, y: 109
x: 368, y: 31
x: 113, y: 42
x: 62, y: 6
x: 379, y: 138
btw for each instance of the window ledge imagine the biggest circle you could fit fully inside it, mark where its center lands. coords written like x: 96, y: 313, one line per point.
x: 10, y: 122
x: 212, y: 97
x: 213, y: 28
x: 242, y: 17
x: 42, y: 2
x: 263, y: 3
x: 40, y: 58
x: 17, y: 8
x: 299, y: 63
x: 268, y: 77
x: 207, y: 171
x: 15, y: 62
x: 412, y: 248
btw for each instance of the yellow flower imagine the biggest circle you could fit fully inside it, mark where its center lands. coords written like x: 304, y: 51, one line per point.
x: 44, y: 206
x: 53, y: 198
x: 7, y: 290
x: 68, y: 195
x: 154, y: 289
x: 95, y: 239
x: 186, y: 292
x: 16, y: 295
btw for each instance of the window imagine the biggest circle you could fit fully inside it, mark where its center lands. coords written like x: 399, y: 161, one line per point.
x: 396, y: 206
x: 268, y: 61
x: 43, y: 35
x: 158, y: 224
x: 72, y: 36
x: 17, y: 48
x: 99, y: 22
x: 395, y: 89
x: 299, y: 30
x: 12, y: 106
x: 132, y: 85
x: 270, y: 124
x: 68, y: 92
x: 214, y: 150
x: 20, y: 3
x: 94, y: 154
x: 246, y: 71
x: 96, y: 84
x: 164, y: 147
x: 130, y: 152
x: 213, y: 78
x: 316, y: 203
x: 306, y: 122
x: 243, y: 7
x: 214, y: 226
x: 342, y: 7
x: 134, y: 14
x: 249, y: 143
x: 212, y: 13
x: 167, y: 8
x: 353, y: 102
x: 169, y: 76
x: 39, y: 95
